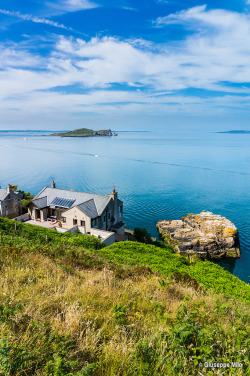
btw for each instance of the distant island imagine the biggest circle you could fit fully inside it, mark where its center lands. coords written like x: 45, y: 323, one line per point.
x: 236, y: 132
x: 84, y: 132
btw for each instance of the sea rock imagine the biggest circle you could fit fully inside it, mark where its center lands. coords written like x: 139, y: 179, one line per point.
x: 206, y: 235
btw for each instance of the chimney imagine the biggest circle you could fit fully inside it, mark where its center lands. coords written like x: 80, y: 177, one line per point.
x: 115, y: 211
x: 8, y: 188
x: 53, y: 184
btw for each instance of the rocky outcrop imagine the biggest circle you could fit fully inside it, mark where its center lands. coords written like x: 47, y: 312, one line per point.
x: 206, y: 235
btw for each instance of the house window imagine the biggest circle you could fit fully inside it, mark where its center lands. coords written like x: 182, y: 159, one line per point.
x: 109, y: 216
x: 120, y: 211
x: 63, y: 219
x: 93, y: 222
x: 105, y: 218
x: 83, y: 223
x: 74, y: 222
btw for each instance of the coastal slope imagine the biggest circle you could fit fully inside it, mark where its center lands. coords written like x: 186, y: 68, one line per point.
x: 69, y: 306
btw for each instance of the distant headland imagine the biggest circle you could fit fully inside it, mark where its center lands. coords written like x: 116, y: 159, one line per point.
x: 236, y: 132
x: 84, y: 132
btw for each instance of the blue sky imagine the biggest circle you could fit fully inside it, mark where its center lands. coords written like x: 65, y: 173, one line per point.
x: 123, y: 64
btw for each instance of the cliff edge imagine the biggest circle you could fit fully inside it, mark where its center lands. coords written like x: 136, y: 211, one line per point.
x: 206, y: 235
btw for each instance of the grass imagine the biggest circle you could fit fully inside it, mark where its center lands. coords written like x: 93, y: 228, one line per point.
x: 164, y: 261
x: 128, y: 309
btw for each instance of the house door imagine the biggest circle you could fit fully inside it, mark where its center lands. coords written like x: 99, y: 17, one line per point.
x: 38, y: 214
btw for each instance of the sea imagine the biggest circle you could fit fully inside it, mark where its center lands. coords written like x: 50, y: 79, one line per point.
x: 158, y: 175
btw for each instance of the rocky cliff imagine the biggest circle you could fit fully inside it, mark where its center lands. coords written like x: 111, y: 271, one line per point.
x: 206, y: 235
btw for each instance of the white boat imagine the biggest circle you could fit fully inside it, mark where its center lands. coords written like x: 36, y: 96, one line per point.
x: 115, y: 134
x: 25, y: 138
x: 96, y: 155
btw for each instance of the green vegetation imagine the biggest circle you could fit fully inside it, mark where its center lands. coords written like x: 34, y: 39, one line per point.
x: 142, y: 235
x: 27, y: 197
x: 84, y: 132
x: 24, y: 234
x: 70, y: 307
x: 165, y: 262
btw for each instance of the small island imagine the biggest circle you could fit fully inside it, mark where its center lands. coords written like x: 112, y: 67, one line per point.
x: 236, y: 132
x: 84, y: 132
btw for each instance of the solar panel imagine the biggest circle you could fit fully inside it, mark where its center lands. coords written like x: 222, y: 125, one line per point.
x: 62, y: 202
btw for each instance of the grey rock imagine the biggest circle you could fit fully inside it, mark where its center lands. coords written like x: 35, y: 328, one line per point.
x: 206, y: 235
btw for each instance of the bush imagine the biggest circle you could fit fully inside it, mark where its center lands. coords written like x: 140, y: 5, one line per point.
x: 142, y: 235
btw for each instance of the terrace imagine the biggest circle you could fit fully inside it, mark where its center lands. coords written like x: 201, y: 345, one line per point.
x: 106, y: 237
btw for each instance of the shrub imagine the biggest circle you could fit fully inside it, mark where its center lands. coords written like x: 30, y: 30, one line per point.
x: 142, y: 235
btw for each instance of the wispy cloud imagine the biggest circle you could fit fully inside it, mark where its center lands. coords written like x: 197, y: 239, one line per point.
x: 130, y: 8
x: 64, y: 6
x: 29, y: 17
x: 155, y: 78
x: 199, y: 15
x: 13, y: 56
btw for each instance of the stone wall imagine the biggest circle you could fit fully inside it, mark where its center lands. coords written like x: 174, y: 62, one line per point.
x: 12, y: 207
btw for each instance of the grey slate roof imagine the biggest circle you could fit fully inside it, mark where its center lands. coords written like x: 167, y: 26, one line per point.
x: 100, y: 201
x: 3, y: 194
x: 40, y: 202
x: 89, y: 208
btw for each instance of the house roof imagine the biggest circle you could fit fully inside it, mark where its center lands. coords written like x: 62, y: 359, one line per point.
x: 89, y: 208
x: 96, y: 207
x: 40, y: 202
x: 3, y: 194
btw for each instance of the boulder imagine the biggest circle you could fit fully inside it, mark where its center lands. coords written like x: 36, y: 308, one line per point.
x: 206, y: 235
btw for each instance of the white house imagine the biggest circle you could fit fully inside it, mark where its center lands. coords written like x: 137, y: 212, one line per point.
x: 68, y: 210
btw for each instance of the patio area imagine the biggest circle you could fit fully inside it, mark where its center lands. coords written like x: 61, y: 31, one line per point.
x: 49, y: 224
x: 45, y: 224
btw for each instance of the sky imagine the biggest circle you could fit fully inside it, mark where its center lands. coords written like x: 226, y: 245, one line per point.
x: 125, y: 64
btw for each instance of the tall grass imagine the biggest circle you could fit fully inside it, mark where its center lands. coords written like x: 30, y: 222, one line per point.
x: 121, y: 310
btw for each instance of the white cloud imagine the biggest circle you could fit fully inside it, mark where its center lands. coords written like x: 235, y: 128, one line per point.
x: 199, y: 15
x: 214, y: 58
x: 29, y: 17
x: 12, y: 56
x: 202, y: 62
x: 105, y: 102
x: 63, y: 6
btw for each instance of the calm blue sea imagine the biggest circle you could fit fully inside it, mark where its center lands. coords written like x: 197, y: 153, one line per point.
x: 157, y: 175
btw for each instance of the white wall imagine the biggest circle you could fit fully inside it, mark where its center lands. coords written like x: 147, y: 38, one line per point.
x: 77, y: 214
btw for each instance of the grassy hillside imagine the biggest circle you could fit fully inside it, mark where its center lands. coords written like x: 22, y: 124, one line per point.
x: 70, y: 307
